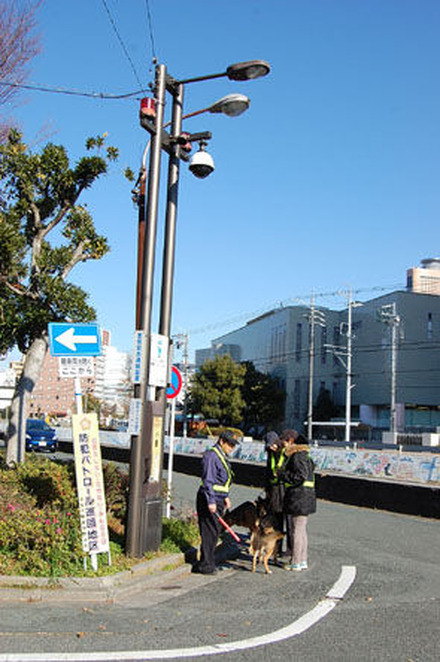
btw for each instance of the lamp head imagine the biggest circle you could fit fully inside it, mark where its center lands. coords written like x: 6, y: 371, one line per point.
x: 248, y: 70
x: 231, y: 105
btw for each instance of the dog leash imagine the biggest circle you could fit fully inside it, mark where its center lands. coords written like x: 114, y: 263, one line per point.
x: 228, y: 528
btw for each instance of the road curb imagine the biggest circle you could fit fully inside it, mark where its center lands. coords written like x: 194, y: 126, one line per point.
x: 142, y: 576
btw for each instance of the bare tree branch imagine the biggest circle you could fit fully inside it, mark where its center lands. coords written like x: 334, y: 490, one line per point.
x: 18, y: 44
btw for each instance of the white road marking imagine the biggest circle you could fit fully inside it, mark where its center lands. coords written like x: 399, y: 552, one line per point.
x: 303, y: 623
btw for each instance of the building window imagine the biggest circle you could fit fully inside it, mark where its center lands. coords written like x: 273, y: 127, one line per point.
x: 323, y: 345
x: 298, y: 346
x: 429, y: 327
x: 336, y: 342
x: 297, y: 398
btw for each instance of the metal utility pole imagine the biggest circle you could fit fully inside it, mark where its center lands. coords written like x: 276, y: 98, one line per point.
x: 348, y: 380
x: 387, y: 314
x: 315, y: 317
x: 342, y: 353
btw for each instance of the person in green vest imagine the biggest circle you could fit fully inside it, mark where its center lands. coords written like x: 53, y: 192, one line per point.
x: 274, y: 487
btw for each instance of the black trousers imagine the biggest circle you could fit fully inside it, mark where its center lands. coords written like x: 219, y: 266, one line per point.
x: 209, y: 528
x: 275, y: 496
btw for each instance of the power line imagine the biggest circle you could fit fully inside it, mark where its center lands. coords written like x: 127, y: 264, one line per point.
x: 295, y: 299
x: 61, y: 90
x: 150, y: 29
x: 127, y: 54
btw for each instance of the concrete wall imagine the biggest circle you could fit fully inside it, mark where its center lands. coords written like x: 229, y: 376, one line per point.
x: 371, y: 487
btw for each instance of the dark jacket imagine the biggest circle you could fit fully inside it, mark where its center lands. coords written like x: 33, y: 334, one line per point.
x: 298, y: 477
x: 216, y: 475
x: 274, y: 486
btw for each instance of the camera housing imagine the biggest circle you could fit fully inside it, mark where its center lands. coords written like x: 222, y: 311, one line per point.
x: 202, y: 163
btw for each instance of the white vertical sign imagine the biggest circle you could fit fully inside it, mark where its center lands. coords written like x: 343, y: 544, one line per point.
x: 158, y: 360
x: 90, y: 483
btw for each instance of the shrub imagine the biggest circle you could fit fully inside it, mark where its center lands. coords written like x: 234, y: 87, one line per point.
x: 179, y: 535
x: 39, y: 522
x: 40, y: 531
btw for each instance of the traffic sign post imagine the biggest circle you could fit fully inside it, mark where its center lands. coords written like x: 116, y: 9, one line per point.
x: 74, y: 339
x: 175, y: 385
x: 173, y: 390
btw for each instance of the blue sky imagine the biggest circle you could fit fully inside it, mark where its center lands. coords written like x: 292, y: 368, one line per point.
x: 329, y: 181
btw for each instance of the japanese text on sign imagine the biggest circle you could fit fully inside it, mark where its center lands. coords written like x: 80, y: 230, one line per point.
x: 75, y: 366
x: 90, y: 484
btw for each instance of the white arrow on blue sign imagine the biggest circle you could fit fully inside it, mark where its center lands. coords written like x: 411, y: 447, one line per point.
x: 74, y: 339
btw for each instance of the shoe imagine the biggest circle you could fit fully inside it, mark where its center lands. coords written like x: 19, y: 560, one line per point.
x: 200, y: 570
x: 293, y: 566
x: 304, y: 565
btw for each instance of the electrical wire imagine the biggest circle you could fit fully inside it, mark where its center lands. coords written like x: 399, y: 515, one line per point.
x: 124, y: 48
x: 150, y: 29
x: 300, y: 298
x: 60, y: 90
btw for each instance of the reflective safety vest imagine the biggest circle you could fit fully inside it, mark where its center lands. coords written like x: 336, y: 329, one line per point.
x: 305, y: 483
x: 276, y: 464
x: 222, y: 489
x: 310, y: 483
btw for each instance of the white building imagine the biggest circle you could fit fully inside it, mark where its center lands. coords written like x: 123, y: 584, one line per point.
x: 112, y: 376
x: 7, y: 387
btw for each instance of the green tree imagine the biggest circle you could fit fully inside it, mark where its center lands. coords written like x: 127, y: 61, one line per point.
x: 39, y: 195
x: 92, y: 404
x: 324, y: 409
x: 263, y: 397
x: 215, y: 390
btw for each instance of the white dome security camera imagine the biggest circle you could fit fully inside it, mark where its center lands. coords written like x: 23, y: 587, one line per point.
x: 202, y: 163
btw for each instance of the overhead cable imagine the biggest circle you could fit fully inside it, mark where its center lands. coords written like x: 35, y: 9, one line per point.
x: 296, y: 299
x: 150, y: 29
x: 60, y: 90
x: 124, y: 48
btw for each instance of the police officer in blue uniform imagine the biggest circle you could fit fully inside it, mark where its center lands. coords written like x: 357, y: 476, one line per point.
x: 213, y: 498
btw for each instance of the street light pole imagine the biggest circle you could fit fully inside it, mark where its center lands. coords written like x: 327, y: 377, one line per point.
x: 139, y: 458
x: 144, y: 522
x: 171, y: 214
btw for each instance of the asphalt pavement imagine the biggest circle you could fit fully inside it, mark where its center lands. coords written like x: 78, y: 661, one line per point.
x: 372, y: 592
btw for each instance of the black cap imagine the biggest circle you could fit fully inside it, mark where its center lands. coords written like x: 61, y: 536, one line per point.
x: 270, y: 439
x: 228, y: 437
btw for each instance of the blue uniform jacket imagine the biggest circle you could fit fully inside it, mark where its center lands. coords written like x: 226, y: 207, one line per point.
x: 213, y: 473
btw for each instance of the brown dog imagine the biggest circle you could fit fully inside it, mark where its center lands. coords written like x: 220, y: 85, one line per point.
x: 263, y: 545
x: 245, y: 514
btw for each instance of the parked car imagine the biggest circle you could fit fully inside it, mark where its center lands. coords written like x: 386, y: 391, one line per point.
x: 40, y: 436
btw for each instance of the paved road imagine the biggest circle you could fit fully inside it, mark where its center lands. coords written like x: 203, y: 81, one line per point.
x: 390, y: 612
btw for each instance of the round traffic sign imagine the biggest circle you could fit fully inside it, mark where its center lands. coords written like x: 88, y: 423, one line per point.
x: 175, y: 385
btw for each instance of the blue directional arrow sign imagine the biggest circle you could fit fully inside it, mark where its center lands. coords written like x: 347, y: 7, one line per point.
x: 74, y: 339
